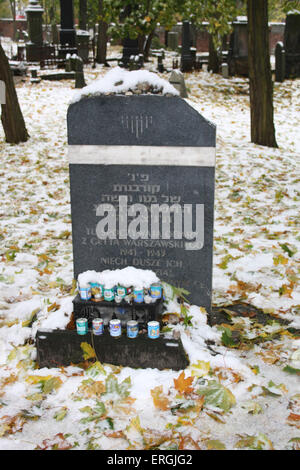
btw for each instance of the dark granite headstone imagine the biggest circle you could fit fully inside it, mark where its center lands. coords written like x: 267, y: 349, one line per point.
x: 82, y: 42
x: 186, y: 56
x: 279, y: 62
x: 130, y: 49
x: 173, y: 40
x: 36, y: 49
x: 238, y: 48
x: 292, y: 45
x: 156, y: 152
x: 67, y: 32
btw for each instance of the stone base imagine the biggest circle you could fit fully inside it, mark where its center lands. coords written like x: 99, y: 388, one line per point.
x: 58, y: 348
x: 63, y: 51
x: 238, y: 66
x: 292, y: 68
x: 58, y: 76
x: 187, y: 64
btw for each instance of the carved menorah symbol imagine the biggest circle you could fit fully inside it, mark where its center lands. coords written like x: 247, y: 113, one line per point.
x: 136, y: 124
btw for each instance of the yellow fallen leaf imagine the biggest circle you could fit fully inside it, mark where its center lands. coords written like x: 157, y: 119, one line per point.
x: 182, y: 384
x: 159, y: 399
x: 35, y: 379
x: 200, y: 368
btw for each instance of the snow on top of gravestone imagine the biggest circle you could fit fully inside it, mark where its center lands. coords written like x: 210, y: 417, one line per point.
x: 120, y: 81
x: 293, y: 12
x: 127, y: 277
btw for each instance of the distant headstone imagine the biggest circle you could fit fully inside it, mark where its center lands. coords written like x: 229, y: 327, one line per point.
x: 177, y: 80
x: 160, y: 65
x: 35, y: 44
x: 173, y: 40
x: 68, y: 63
x: 186, y: 56
x: 292, y: 44
x: 225, y: 70
x: 79, y: 74
x: 279, y: 62
x: 238, y: 48
x: 67, y: 34
x: 142, y: 188
x: 34, y: 76
x: 82, y: 42
x: 130, y: 49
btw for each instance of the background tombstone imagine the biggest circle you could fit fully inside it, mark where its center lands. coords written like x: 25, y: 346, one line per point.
x: 79, y: 74
x: 173, y: 40
x: 238, y: 48
x: 150, y: 150
x: 177, y: 80
x: 130, y: 46
x: 292, y: 45
x: 35, y: 46
x: 160, y: 64
x: 130, y: 50
x: 67, y: 34
x: 186, y: 56
x: 279, y: 62
x: 225, y: 70
x: 82, y: 43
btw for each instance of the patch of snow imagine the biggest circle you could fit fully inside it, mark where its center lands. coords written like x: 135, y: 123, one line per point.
x: 120, y: 81
x: 127, y: 277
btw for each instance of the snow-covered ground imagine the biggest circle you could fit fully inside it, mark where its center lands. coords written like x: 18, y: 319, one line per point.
x: 232, y: 395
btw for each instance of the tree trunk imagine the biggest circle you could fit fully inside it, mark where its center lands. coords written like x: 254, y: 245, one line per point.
x: 83, y: 14
x: 11, y: 115
x: 102, y: 37
x: 141, y: 43
x: 148, y: 45
x: 213, y: 58
x: 260, y: 75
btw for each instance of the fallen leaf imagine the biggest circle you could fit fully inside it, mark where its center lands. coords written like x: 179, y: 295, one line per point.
x: 187, y: 443
x: 214, y: 444
x: 183, y: 385
x: 90, y: 388
x: 159, y: 399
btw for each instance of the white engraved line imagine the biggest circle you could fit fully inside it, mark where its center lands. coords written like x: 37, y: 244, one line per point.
x: 142, y: 155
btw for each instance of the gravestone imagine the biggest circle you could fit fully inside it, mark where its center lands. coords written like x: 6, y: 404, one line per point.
x: 34, y: 76
x: 36, y: 48
x: 130, y: 50
x: 225, y: 70
x: 82, y: 43
x: 279, y: 62
x: 177, y: 80
x: 238, y: 48
x: 186, y: 56
x: 142, y: 188
x: 173, y: 40
x: 160, y: 64
x: 292, y: 44
x: 67, y: 34
x: 130, y: 46
x: 79, y: 74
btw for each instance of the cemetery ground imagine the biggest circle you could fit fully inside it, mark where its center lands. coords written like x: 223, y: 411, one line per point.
x: 241, y: 389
